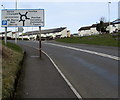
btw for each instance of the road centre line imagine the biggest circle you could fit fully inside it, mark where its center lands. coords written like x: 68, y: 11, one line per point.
x: 87, y: 51
x: 63, y: 76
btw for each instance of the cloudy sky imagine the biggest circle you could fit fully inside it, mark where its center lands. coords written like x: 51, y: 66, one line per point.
x: 72, y: 14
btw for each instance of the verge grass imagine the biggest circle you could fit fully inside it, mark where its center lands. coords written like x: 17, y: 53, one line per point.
x: 102, y: 39
x: 11, y: 57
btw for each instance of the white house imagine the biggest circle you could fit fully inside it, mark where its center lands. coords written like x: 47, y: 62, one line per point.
x: 47, y: 34
x: 85, y: 31
x: 91, y: 30
x: 9, y: 35
x: 15, y: 34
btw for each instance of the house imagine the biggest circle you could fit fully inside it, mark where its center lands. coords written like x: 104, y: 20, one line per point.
x: 84, y: 31
x: 92, y: 30
x: 47, y: 34
x: 2, y: 35
x: 15, y: 35
x: 116, y: 25
x: 68, y: 33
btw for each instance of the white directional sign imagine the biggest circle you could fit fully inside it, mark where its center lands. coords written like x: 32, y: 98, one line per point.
x: 22, y: 18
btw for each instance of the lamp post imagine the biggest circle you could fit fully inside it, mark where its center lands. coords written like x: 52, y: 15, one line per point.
x: 109, y: 14
x: 3, y: 6
x: 16, y: 28
x: 5, y: 38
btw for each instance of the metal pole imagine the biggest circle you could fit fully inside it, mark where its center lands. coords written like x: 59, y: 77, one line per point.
x: 109, y: 14
x: 32, y: 33
x: 40, y: 41
x: 5, y: 35
x: 22, y: 35
x: 16, y: 28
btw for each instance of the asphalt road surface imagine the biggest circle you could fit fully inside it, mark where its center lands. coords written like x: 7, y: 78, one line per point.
x: 92, y: 70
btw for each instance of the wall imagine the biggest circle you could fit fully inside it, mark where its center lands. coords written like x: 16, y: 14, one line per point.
x: 64, y: 33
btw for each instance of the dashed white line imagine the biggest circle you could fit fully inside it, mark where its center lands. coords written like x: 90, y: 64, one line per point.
x: 87, y: 51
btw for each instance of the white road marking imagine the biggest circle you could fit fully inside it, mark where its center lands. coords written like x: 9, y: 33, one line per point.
x: 67, y: 81
x: 87, y: 51
x: 70, y: 85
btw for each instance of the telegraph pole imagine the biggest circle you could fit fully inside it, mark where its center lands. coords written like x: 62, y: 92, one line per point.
x: 16, y: 28
x: 5, y: 37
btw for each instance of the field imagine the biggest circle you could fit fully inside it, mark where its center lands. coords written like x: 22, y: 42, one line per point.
x: 102, y: 39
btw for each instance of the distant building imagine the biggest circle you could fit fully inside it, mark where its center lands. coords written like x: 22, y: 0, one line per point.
x: 92, y: 30
x: 116, y: 25
x: 75, y: 35
x: 68, y: 33
x: 47, y: 34
x: 88, y: 30
x: 2, y: 35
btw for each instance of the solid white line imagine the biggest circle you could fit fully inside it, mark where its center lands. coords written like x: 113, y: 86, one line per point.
x: 67, y: 81
x: 87, y: 51
x: 70, y: 85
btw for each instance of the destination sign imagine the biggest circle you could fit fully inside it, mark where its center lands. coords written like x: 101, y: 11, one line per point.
x: 22, y: 18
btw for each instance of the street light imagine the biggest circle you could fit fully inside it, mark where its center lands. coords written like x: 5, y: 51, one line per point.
x: 3, y: 6
x: 16, y: 28
x: 5, y: 38
x: 109, y: 14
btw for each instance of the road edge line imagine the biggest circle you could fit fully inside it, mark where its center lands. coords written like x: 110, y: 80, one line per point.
x: 87, y: 51
x: 68, y: 82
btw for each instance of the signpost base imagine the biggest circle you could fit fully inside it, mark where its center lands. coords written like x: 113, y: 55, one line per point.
x: 40, y: 52
x: 5, y: 36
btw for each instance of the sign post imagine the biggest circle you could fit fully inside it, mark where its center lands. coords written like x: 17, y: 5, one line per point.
x: 23, y: 18
x: 5, y: 35
x: 40, y: 41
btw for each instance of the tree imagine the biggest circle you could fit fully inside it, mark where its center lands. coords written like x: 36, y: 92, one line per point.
x: 101, y: 27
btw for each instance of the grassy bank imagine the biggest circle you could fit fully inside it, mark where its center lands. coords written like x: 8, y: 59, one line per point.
x: 11, y: 57
x: 102, y: 39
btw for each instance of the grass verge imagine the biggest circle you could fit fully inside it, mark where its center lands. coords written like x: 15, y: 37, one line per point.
x: 102, y: 39
x: 11, y: 57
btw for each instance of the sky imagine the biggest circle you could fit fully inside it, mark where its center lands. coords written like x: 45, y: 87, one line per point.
x: 72, y: 15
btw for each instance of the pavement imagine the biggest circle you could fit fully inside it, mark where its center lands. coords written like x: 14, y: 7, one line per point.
x: 40, y: 79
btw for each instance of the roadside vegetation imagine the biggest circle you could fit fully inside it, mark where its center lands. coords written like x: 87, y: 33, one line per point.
x: 11, y: 58
x: 101, y: 39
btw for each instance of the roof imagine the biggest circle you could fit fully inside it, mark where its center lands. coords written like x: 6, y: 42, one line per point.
x: 117, y: 21
x: 4, y: 32
x: 85, y: 28
x: 14, y: 32
x: 46, y: 31
x: 93, y: 26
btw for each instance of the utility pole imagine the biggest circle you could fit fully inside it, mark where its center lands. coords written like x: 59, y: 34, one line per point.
x: 5, y: 37
x: 3, y: 6
x: 16, y: 28
x: 109, y: 14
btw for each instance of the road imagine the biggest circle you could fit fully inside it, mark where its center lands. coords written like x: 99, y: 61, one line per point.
x: 92, y: 70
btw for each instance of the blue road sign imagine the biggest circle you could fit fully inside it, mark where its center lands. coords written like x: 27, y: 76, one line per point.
x: 4, y: 22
